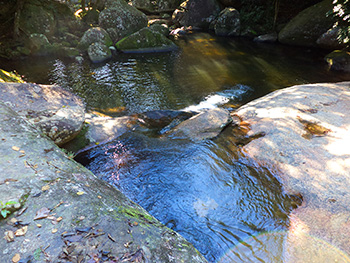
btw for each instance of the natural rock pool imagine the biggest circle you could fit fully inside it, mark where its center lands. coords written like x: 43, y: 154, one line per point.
x: 231, y: 209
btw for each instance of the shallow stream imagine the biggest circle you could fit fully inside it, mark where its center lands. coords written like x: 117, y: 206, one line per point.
x: 231, y: 209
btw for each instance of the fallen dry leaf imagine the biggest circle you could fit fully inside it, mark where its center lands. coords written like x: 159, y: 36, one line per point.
x: 9, y: 236
x: 16, y: 258
x: 80, y: 193
x: 15, y: 148
x: 21, y: 232
x: 99, y: 197
x: 42, y: 213
x: 53, y: 231
x: 59, y: 219
x: 22, y: 151
x: 45, y: 188
x: 38, y: 225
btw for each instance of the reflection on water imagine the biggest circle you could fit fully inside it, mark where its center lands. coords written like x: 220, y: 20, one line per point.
x: 204, y: 191
x: 204, y: 65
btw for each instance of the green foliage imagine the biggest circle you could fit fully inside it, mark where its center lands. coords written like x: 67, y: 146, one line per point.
x: 341, y: 12
x: 5, y: 208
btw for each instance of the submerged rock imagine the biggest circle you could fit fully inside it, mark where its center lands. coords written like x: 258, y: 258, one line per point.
x: 39, y: 44
x: 58, y: 113
x: 145, y: 41
x: 205, y: 125
x: 70, y: 212
x: 308, y: 25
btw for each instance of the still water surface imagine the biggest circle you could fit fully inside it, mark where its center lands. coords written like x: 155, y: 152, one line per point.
x: 231, y: 209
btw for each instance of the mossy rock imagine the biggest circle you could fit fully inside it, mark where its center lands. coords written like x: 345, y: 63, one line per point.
x: 145, y: 41
x: 121, y: 19
x: 308, y: 25
x: 99, y: 52
x: 93, y: 35
x: 37, y: 19
x: 160, y: 28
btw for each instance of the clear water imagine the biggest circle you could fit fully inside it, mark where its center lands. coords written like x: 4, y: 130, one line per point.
x: 205, y: 191
x: 231, y: 209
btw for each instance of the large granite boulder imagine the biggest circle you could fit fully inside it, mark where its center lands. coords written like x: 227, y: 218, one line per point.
x: 228, y: 23
x: 205, y: 125
x: 306, y: 145
x: 145, y: 41
x: 195, y: 12
x: 308, y: 25
x: 93, y: 35
x: 69, y: 214
x: 121, y: 19
x: 57, y: 113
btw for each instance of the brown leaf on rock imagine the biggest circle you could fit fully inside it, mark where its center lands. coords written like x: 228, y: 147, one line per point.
x: 16, y: 258
x: 45, y: 188
x: 9, y: 236
x: 42, y: 213
x: 15, y: 148
x: 21, y: 232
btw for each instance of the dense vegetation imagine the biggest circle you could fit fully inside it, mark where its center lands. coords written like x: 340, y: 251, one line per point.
x: 341, y: 12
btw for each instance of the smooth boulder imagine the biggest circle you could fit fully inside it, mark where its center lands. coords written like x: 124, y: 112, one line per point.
x: 56, y: 112
x: 145, y: 41
x: 308, y: 25
x: 307, y: 147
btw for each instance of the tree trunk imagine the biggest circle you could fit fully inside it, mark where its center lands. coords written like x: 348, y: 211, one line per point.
x: 16, y: 29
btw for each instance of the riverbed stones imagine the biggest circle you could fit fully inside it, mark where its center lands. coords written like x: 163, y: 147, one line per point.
x: 206, y: 125
x: 145, y: 41
x: 57, y: 113
x: 306, y: 145
x: 308, y: 25
x: 81, y: 215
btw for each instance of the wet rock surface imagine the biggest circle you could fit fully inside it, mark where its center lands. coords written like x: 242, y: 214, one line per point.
x: 205, y: 125
x: 58, y: 113
x: 306, y: 145
x: 69, y: 215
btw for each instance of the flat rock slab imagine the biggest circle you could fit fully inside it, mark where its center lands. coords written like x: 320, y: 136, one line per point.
x: 70, y: 215
x: 205, y: 125
x: 58, y: 113
x: 307, y: 145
